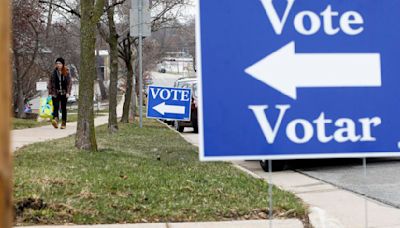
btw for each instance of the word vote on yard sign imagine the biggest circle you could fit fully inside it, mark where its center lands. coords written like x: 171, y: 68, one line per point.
x: 168, y: 103
x: 289, y: 79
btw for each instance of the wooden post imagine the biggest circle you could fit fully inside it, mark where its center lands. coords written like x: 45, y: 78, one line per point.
x: 6, y: 210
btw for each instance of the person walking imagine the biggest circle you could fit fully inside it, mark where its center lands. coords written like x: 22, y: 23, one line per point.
x: 59, y: 87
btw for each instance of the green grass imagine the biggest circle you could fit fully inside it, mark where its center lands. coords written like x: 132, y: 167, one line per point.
x: 27, y: 123
x: 138, y: 175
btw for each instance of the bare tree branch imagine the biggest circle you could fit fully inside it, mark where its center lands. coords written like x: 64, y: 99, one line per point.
x: 64, y: 8
x: 114, y: 5
x: 35, y: 51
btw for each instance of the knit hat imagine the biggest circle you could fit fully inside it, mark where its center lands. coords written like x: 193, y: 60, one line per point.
x: 61, y: 60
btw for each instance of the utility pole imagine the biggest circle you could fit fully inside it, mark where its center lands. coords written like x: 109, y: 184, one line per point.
x: 5, y: 117
x: 140, y: 27
x: 140, y: 63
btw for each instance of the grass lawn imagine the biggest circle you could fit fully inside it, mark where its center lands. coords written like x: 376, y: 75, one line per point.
x: 138, y: 175
x: 27, y: 123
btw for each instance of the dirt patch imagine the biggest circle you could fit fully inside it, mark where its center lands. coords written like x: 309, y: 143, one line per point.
x: 36, y: 211
x: 28, y: 203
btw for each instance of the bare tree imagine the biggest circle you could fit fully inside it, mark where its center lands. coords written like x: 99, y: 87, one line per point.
x: 111, y: 36
x: 113, y: 42
x: 49, y: 18
x: 125, y: 53
x: 85, y: 136
x: 27, y: 26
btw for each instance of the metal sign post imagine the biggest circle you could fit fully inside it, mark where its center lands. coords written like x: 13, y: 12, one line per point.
x: 270, y: 214
x: 366, y: 192
x: 140, y: 27
x: 140, y: 7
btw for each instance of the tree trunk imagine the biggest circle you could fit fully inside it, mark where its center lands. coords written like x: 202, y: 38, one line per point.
x: 128, y: 93
x: 19, y: 87
x: 85, y: 135
x: 49, y: 18
x: 134, y: 97
x: 102, y: 87
x: 113, y: 42
x: 6, y: 205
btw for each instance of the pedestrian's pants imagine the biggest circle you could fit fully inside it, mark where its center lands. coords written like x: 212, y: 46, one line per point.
x: 60, y: 99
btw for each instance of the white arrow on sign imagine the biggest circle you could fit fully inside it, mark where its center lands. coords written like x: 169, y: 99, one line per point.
x: 172, y: 109
x: 285, y: 70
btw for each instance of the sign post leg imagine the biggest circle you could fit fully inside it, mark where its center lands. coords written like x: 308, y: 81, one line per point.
x: 365, y: 194
x: 270, y: 193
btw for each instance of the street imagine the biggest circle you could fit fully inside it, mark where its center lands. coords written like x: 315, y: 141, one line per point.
x: 383, y: 181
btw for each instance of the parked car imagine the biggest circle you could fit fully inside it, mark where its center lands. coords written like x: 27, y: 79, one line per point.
x: 277, y: 165
x: 193, y: 122
x: 181, y: 82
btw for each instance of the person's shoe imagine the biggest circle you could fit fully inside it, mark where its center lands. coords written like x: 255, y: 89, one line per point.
x: 63, y: 125
x: 54, y: 122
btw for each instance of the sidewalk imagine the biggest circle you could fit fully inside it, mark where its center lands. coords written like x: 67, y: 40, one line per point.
x: 24, y: 137
x: 289, y: 223
x: 330, y: 206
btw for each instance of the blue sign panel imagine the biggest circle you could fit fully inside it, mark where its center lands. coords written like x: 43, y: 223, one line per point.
x: 168, y: 103
x: 283, y: 79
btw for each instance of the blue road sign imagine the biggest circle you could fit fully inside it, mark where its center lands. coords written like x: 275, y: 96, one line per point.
x: 168, y: 103
x: 283, y: 79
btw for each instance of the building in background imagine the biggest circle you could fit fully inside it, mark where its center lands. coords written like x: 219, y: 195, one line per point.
x: 177, y: 63
x: 103, y: 74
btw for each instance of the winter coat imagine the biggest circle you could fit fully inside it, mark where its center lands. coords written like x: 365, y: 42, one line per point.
x: 53, y: 85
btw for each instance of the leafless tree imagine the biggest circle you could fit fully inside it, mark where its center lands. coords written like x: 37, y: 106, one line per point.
x: 27, y: 26
x: 108, y: 31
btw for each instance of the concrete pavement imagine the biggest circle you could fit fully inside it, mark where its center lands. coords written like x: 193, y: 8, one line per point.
x: 289, y: 223
x: 190, y: 137
x: 164, y: 79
